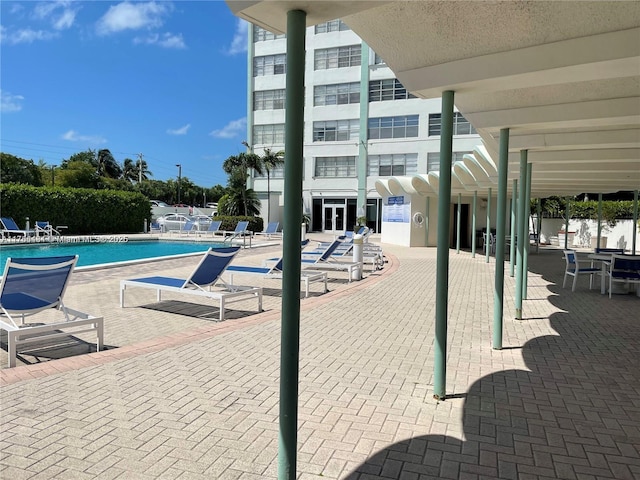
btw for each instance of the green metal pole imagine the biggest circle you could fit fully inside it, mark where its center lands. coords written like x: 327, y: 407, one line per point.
x: 634, y: 229
x: 513, y: 227
x: 566, y: 223
x: 487, y: 246
x: 521, y: 225
x: 363, y: 152
x: 473, y: 224
x: 458, y: 223
x: 525, y: 233
x: 290, y: 331
x: 442, y: 259
x: 249, y: 139
x: 599, y: 221
x: 501, y: 220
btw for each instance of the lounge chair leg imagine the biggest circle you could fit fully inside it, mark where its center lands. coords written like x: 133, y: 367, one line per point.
x: 11, y: 347
x: 575, y: 281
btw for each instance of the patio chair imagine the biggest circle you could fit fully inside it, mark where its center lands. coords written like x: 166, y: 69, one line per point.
x: 214, y: 228
x: 32, y: 285
x: 275, y: 272
x: 10, y: 228
x: 574, y: 269
x: 201, y: 282
x: 371, y: 254
x: 240, y: 231
x: 46, y: 230
x: 187, y: 228
x: 271, y: 230
x: 326, y: 261
x: 624, y: 269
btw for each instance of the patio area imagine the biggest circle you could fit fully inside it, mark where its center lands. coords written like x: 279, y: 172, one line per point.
x: 178, y: 396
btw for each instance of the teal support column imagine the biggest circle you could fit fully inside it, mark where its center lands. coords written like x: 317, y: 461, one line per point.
x: 634, y: 230
x: 525, y: 237
x: 513, y: 227
x: 290, y: 328
x: 521, y: 225
x: 487, y: 245
x: 567, y: 210
x: 442, y: 258
x: 363, y: 152
x: 599, y: 220
x: 426, y: 223
x: 473, y: 224
x: 458, y: 223
x: 501, y: 221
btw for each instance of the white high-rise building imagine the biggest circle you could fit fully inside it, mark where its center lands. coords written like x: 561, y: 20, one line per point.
x: 360, y: 125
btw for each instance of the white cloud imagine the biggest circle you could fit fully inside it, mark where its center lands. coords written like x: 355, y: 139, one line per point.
x: 179, y: 131
x: 74, y: 136
x: 25, y: 35
x: 10, y: 103
x: 166, y: 40
x: 132, y: 16
x: 60, y: 13
x: 239, y: 42
x: 231, y: 129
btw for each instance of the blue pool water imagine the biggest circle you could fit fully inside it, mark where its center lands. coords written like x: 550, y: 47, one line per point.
x: 104, y: 252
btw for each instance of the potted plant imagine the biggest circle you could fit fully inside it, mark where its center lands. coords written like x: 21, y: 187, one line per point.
x: 360, y: 222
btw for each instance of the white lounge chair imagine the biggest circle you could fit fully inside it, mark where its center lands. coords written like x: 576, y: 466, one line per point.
x: 271, y: 230
x: 201, y: 282
x: 10, y: 228
x: 31, y: 285
x: 306, y: 276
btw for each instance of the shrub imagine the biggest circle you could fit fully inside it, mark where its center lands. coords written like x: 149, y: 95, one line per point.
x: 83, y: 211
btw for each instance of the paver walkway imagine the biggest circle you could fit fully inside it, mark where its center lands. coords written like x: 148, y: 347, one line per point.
x: 561, y: 400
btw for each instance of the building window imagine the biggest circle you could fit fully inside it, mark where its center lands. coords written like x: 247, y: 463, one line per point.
x: 336, y: 130
x: 391, y: 89
x: 338, y: 57
x: 332, y: 26
x: 433, y: 160
x: 268, y: 134
x: 261, y: 35
x: 339, y: 167
x: 268, y: 99
x: 461, y: 125
x: 270, y: 65
x: 277, y: 172
x: 337, y: 94
x: 393, y: 127
x: 395, y: 164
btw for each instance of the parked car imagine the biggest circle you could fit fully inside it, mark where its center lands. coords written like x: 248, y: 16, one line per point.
x: 158, y: 203
x: 176, y: 221
x: 211, y: 205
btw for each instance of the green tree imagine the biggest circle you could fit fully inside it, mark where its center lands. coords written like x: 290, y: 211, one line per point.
x: 238, y: 167
x: 77, y: 173
x: 239, y: 200
x: 270, y: 161
x: 106, y: 164
x: 18, y: 170
x: 129, y: 170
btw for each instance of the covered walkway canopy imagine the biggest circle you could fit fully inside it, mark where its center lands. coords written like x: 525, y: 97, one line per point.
x: 564, y: 77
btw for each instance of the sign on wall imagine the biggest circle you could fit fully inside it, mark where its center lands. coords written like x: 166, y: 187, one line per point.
x: 395, y: 209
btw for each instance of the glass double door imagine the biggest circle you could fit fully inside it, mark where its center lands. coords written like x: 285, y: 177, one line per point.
x: 334, y: 219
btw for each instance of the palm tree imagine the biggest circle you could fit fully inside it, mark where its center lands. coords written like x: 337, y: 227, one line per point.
x: 270, y: 160
x: 238, y: 166
x: 129, y: 170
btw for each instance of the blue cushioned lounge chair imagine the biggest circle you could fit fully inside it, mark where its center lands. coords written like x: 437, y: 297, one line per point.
x: 31, y: 285
x: 306, y: 276
x: 10, y: 228
x: 271, y: 230
x: 201, y: 282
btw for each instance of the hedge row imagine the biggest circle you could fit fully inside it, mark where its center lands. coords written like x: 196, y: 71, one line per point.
x: 83, y: 211
x: 256, y: 224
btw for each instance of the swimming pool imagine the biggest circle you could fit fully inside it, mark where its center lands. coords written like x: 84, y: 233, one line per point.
x: 99, y: 253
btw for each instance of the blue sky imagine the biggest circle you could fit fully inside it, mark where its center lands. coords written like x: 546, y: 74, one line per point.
x: 165, y: 79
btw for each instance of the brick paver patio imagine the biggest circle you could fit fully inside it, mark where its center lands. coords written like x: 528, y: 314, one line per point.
x: 178, y: 396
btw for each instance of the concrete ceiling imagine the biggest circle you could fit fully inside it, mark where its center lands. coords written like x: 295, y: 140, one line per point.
x: 563, y: 76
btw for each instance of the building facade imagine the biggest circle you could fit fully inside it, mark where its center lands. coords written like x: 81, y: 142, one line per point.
x: 361, y: 125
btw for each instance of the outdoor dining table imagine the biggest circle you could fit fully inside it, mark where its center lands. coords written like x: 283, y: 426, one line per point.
x: 604, y: 259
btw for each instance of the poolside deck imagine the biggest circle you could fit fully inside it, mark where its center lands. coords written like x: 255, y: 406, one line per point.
x: 179, y: 396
